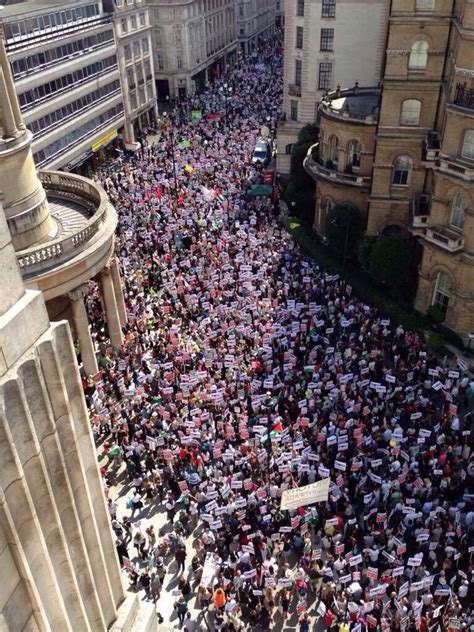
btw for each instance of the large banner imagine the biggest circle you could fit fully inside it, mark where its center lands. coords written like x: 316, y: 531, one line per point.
x: 307, y: 495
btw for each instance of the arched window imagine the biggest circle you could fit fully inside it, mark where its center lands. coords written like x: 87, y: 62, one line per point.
x: 442, y: 292
x: 353, y: 154
x: 401, y: 170
x: 410, y: 114
x: 458, y: 208
x: 425, y: 5
x: 468, y: 145
x: 418, y: 56
x: 333, y: 149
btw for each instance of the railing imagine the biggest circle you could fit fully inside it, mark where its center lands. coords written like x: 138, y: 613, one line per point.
x: 455, y: 167
x: 314, y: 167
x: 431, y: 147
x: 294, y: 90
x: 345, y: 113
x: 445, y: 237
x: 464, y: 96
x: 419, y: 211
x: 58, y: 251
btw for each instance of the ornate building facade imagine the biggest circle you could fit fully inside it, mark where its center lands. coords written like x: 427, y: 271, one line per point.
x: 62, y: 228
x: 327, y: 43
x: 410, y: 152
x: 193, y: 42
x: 255, y: 21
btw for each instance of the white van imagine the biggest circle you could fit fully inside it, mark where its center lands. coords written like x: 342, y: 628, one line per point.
x: 262, y: 153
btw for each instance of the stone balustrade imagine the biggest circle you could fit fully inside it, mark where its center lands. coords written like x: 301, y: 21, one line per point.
x: 313, y: 167
x: 57, y: 251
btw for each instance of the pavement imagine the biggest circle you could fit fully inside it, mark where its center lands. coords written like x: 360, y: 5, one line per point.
x: 155, y: 514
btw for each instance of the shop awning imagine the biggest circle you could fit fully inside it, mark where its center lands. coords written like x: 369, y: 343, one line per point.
x: 259, y: 189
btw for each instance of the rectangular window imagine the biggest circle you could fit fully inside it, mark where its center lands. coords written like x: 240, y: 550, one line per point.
x: 325, y: 75
x: 300, y: 8
x: 328, y: 9
x: 298, y: 72
x: 179, y: 62
x: 327, y: 39
x: 293, y: 110
x: 299, y: 37
x: 124, y: 25
x: 425, y: 5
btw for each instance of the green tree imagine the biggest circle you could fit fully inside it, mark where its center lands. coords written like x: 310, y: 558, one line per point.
x: 391, y: 260
x: 308, y: 134
x: 344, y: 229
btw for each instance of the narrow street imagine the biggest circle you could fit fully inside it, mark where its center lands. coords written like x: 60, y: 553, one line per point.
x: 246, y: 371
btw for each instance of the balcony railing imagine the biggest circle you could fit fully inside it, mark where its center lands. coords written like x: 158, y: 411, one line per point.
x: 456, y: 167
x: 294, y: 90
x: 464, y: 96
x: 445, y: 237
x: 314, y: 167
x: 36, y: 259
x: 419, y: 211
x: 369, y: 117
x: 431, y: 147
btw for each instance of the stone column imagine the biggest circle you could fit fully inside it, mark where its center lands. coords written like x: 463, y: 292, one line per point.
x: 81, y: 324
x: 111, y: 311
x: 341, y: 158
x: 118, y: 289
x: 10, y: 87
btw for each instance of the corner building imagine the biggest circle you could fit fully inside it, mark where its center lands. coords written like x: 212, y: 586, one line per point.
x: 83, y: 71
x: 194, y: 41
x: 402, y: 154
x: 256, y: 21
x: 328, y: 43
x: 423, y: 173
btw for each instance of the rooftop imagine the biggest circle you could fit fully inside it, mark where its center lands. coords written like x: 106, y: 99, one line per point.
x: 355, y: 103
x: 16, y: 8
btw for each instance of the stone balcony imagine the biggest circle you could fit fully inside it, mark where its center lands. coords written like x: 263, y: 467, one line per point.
x: 358, y: 105
x: 431, y: 147
x: 457, y: 167
x: 314, y: 167
x: 294, y: 90
x: 83, y: 239
x: 419, y: 211
x: 462, y: 100
x: 445, y: 237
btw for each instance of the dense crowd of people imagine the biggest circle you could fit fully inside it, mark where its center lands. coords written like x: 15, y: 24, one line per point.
x: 247, y: 370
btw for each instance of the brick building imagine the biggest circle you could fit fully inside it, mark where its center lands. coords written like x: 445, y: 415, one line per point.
x: 405, y: 160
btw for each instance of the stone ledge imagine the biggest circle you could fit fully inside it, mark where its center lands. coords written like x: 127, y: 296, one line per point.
x: 18, y: 331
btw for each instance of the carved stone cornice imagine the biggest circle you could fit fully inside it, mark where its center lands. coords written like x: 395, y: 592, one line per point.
x: 78, y: 293
x: 393, y: 52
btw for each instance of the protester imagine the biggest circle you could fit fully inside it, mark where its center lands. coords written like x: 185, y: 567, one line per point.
x: 247, y: 370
